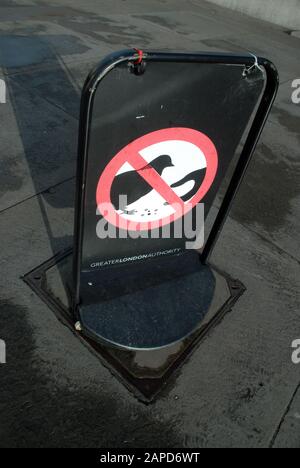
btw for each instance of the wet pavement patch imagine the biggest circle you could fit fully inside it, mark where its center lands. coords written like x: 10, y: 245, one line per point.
x: 145, y: 372
x: 19, y: 51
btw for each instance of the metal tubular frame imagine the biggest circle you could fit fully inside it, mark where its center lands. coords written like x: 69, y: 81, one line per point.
x: 132, y: 56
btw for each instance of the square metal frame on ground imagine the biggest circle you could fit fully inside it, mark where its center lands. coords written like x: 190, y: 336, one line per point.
x: 119, y: 362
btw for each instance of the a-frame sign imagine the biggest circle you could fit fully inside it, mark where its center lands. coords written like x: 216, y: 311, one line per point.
x: 161, y: 135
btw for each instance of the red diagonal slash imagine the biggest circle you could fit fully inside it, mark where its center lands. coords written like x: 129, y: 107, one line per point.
x: 154, y: 179
x: 131, y: 154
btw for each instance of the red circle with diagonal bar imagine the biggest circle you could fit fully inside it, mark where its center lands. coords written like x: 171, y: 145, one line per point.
x: 131, y: 154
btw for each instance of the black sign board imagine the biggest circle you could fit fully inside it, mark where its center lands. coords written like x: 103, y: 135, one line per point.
x: 159, y: 132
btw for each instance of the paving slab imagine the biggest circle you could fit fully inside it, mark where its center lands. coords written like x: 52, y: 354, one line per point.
x: 236, y: 385
x: 288, y: 434
x: 269, y: 200
x: 240, y: 387
x: 38, y: 145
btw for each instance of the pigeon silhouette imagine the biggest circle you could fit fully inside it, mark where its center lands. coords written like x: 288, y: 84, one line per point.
x: 133, y: 186
x: 197, y: 177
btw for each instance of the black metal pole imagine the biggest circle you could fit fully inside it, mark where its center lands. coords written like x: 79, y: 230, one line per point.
x: 245, y: 157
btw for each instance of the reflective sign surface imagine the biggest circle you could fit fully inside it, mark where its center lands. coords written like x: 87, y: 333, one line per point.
x: 159, y: 143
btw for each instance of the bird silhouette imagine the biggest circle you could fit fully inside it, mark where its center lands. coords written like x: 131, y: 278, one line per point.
x: 197, y: 177
x: 133, y: 186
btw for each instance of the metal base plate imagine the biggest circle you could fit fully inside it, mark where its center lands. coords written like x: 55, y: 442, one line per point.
x: 142, y: 309
x: 144, y: 371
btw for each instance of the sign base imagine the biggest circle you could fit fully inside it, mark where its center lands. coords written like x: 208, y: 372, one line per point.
x: 147, y: 307
x: 144, y: 372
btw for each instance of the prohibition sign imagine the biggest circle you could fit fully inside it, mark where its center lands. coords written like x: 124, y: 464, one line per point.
x: 131, y: 154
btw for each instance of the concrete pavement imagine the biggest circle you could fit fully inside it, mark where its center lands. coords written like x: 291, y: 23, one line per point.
x: 240, y: 388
